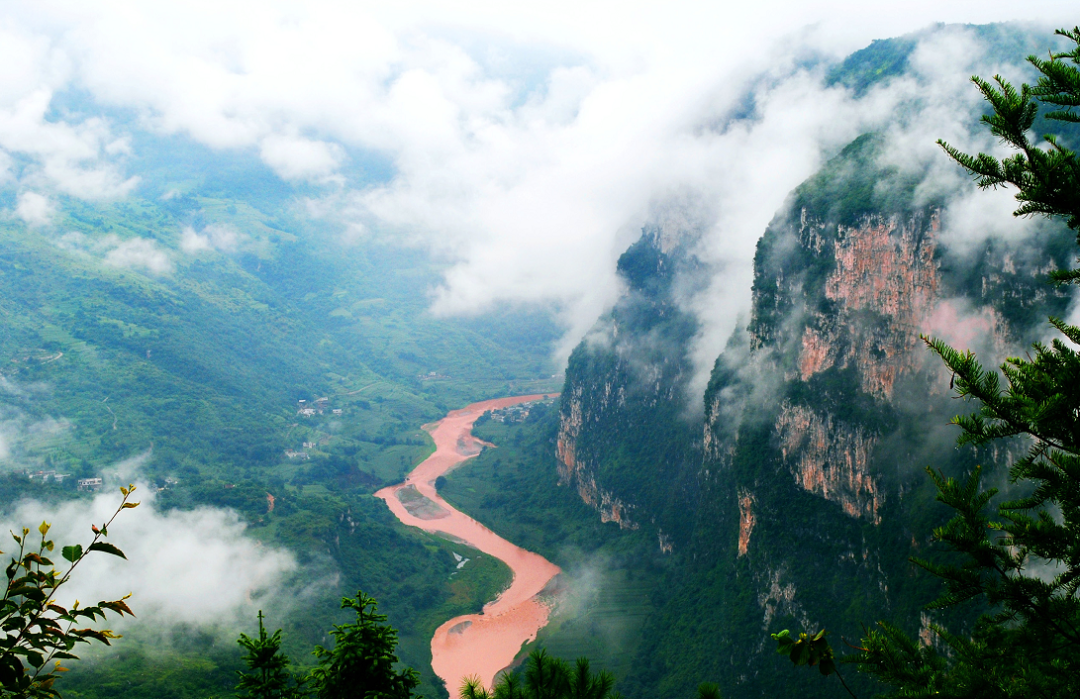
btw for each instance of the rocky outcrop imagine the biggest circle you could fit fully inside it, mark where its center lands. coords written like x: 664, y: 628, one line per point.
x: 884, y: 285
x: 746, y: 520
x: 624, y: 443
x: 575, y: 473
x: 820, y: 415
x: 569, y: 429
x: 829, y: 459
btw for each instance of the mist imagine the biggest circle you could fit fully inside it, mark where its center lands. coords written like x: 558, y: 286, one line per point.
x: 192, y: 568
x: 527, y: 145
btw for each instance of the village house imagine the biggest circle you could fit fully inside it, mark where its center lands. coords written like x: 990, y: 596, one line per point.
x: 90, y: 484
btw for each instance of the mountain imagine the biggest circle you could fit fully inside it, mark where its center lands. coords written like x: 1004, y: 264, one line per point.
x: 622, y: 420
x: 232, y: 351
x: 800, y: 497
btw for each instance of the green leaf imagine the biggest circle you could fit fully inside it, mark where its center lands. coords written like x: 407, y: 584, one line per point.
x: 107, y: 548
x: 71, y: 553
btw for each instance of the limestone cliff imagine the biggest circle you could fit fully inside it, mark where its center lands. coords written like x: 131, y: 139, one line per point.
x: 825, y: 408
x: 624, y: 442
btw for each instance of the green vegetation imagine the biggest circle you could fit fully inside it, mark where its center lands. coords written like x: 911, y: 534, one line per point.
x: 269, y: 677
x: 198, y: 366
x: 362, y: 658
x: 546, y: 678
x: 610, y: 576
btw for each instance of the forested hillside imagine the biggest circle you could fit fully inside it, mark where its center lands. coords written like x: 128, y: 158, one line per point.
x: 189, y: 332
x: 215, y: 338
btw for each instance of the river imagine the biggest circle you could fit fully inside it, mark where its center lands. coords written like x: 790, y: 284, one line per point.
x: 473, y: 644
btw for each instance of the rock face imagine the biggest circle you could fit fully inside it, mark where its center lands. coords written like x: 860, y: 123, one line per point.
x: 624, y: 442
x: 830, y: 461
x: 885, y: 268
x: 811, y: 491
x: 799, y: 498
x: 746, y: 520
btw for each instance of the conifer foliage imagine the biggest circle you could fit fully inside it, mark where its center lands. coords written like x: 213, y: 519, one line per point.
x: 362, y: 662
x: 361, y: 665
x: 546, y: 678
x: 268, y: 676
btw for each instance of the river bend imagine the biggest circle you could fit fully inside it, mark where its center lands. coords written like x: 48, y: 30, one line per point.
x: 473, y: 644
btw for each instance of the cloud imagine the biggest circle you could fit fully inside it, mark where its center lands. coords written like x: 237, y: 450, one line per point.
x: 72, y: 157
x: 34, y: 208
x: 214, y: 237
x: 300, y: 158
x: 195, y: 567
x: 527, y: 143
x: 136, y: 253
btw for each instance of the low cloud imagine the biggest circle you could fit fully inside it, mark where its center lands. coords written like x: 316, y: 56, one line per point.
x: 219, y: 237
x: 35, y: 209
x: 140, y: 254
x: 526, y: 178
x: 20, y: 432
x: 300, y: 158
x: 72, y: 157
x: 137, y: 254
x: 194, y: 567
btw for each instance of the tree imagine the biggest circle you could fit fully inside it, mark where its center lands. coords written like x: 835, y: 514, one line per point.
x: 1019, y: 558
x: 362, y: 661
x: 546, y: 678
x: 34, y: 629
x: 551, y: 678
x: 269, y: 677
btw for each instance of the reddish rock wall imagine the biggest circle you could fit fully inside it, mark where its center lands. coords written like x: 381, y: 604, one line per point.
x: 829, y: 459
x: 885, y: 267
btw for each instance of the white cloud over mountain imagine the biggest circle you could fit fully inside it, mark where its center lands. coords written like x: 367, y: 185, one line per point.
x: 528, y: 143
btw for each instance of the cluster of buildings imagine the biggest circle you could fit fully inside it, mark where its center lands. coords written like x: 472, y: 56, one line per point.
x: 86, y: 484
x: 90, y: 484
x: 316, y: 407
x: 515, y: 413
x: 46, y: 476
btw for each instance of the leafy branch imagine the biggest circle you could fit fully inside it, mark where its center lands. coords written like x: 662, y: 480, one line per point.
x: 34, y: 629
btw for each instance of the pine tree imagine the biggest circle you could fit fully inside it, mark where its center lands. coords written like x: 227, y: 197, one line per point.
x: 362, y: 663
x: 269, y: 677
x: 547, y: 677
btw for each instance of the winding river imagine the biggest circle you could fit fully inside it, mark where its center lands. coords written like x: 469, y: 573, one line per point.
x: 473, y: 644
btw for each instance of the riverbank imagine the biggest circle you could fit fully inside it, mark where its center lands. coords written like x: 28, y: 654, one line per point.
x: 482, y: 644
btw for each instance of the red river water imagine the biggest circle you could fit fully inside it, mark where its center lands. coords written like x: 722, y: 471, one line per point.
x: 473, y: 644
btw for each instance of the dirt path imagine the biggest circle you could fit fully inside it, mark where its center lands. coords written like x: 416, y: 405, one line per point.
x: 473, y: 644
